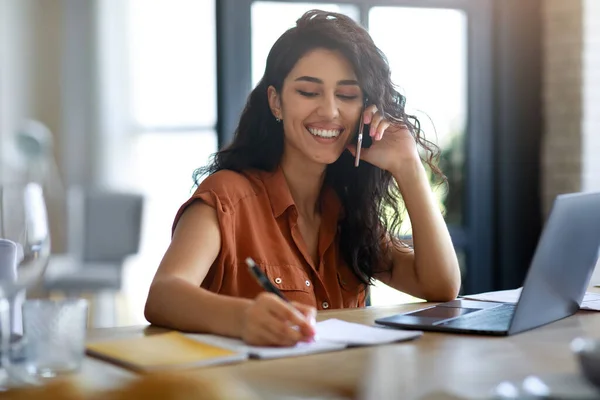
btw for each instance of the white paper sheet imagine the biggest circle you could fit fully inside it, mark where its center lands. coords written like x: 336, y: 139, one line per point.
x: 332, y: 335
x: 591, y: 301
x: 335, y: 330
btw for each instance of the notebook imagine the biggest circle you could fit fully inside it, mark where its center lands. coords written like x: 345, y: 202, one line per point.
x: 180, y: 350
x: 331, y: 335
x: 163, y: 351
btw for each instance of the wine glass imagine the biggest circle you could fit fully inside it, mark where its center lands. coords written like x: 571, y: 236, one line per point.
x: 24, y: 256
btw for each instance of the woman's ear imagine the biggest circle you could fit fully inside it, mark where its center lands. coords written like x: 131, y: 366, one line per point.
x: 274, y: 102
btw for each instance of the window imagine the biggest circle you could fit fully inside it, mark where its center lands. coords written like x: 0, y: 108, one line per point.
x: 430, y: 69
x: 172, y: 56
x: 434, y: 80
x: 266, y: 29
x: 171, y: 59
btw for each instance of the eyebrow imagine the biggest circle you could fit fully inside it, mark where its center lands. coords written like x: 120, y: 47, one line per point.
x: 344, y: 82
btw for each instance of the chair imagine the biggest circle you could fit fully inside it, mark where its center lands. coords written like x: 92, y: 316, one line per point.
x: 104, y: 229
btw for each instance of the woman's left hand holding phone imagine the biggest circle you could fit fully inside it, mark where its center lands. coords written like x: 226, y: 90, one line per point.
x: 392, y: 142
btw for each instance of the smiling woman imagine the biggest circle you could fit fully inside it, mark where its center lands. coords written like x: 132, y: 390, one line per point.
x: 322, y: 105
x: 286, y: 193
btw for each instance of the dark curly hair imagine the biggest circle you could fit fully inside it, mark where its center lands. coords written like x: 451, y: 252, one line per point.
x: 367, y: 192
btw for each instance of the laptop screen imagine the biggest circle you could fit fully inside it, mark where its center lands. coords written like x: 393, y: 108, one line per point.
x: 442, y: 312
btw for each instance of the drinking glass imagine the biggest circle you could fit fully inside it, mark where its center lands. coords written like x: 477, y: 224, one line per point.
x: 24, y: 256
x: 54, y: 335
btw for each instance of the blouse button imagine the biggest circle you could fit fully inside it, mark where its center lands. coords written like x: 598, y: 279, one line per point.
x: 325, y: 305
x: 307, y: 283
x: 278, y: 280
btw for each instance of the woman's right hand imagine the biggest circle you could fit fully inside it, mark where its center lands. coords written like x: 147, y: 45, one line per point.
x: 270, y: 321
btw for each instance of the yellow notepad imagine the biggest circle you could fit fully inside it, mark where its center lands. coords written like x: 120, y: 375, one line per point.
x: 162, y: 352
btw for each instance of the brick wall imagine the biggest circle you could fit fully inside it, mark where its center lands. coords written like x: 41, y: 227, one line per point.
x: 562, y: 98
x: 571, y: 82
x: 571, y: 99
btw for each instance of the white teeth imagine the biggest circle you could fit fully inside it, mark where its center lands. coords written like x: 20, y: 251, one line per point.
x: 325, y: 133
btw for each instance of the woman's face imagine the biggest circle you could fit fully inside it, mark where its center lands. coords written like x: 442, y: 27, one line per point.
x: 320, y: 105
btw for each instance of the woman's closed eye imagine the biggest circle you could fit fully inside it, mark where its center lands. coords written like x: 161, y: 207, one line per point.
x: 347, y: 96
x: 307, y: 94
x: 314, y: 94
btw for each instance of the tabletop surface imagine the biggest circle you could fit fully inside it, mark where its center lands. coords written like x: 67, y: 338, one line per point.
x: 467, y: 366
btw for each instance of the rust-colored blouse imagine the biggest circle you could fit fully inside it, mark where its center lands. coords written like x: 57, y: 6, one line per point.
x: 258, y: 218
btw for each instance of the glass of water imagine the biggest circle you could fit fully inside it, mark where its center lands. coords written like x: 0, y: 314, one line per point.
x: 24, y: 254
x: 55, y: 336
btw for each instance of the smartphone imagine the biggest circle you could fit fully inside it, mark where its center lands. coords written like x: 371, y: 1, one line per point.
x: 361, y: 137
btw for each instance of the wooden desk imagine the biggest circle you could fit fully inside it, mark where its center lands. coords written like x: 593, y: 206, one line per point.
x: 465, y: 365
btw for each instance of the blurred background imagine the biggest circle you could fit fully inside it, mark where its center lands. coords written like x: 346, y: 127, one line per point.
x: 136, y: 94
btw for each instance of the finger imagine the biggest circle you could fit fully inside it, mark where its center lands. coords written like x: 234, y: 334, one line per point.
x: 284, y: 334
x: 269, y: 330
x: 383, y: 125
x: 258, y: 332
x: 282, y: 310
x: 368, y: 113
x: 265, y: 336
x: 287, y: 313
x: 310, y: 313
x: 377, y: 118
x: 262, y: 337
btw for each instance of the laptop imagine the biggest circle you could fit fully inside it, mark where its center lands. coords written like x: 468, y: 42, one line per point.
x: 556, y: 282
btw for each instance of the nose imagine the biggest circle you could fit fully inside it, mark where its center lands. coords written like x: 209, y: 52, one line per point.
x: 328, y: 107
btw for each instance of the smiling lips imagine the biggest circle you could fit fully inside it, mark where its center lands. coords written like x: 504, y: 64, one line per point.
x: 325, y: 133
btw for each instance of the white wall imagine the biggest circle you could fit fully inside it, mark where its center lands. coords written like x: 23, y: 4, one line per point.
x: 591, y: 96
x: 3, y: 77
x: 30, y: 86
x: 15, y: 44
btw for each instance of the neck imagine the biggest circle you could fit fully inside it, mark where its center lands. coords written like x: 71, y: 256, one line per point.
x: 305, y: 181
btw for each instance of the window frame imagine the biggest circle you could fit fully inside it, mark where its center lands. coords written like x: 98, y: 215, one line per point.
x: 504, y: 44
x: 476, y: 236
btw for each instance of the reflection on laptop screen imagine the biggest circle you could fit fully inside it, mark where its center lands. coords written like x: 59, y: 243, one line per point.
x: 442, y: 312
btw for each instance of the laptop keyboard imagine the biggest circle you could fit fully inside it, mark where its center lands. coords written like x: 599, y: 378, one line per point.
x: 492, y: 319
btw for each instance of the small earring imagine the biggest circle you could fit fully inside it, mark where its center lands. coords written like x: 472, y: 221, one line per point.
x: 277, y: 119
